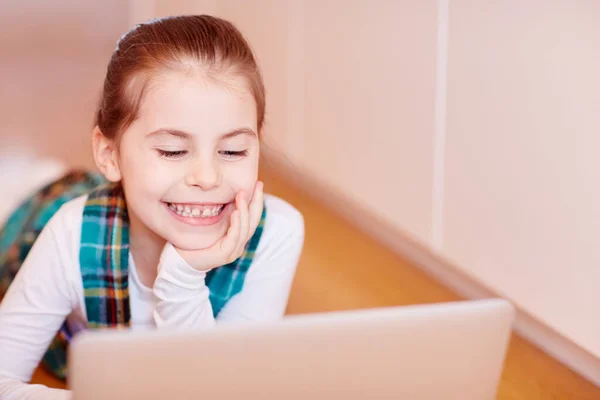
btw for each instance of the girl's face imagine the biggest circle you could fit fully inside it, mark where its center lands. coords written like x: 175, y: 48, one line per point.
x: 193, y: 148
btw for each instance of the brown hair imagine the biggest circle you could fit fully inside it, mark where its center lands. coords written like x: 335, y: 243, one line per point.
x: 174, y: 43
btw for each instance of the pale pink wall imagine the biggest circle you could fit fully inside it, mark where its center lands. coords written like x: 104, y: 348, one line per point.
x: 54, y: 56
x: 264, y: 24
x: 369, y: 104
x: 522, y: 193
x: 164, y: 8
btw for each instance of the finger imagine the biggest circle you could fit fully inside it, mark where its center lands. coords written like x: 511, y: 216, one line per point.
x: 242, y: 206
x: 220, y: 253
x: 230, y: 240
x: 256, y: 208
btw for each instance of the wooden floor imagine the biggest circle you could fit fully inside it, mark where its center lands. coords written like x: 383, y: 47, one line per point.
x: 341, y: 268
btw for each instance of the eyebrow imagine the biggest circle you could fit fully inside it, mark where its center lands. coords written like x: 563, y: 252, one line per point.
x: 185, y: 135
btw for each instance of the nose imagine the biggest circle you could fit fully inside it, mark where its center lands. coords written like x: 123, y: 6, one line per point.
x: 204, y: 173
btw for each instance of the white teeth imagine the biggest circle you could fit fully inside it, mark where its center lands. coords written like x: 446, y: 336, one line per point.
x: 196, y: 212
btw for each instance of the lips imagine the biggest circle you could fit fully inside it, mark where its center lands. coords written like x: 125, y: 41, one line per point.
x: 198, y: 214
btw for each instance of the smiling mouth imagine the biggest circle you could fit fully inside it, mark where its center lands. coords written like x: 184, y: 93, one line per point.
x: 195, y: 210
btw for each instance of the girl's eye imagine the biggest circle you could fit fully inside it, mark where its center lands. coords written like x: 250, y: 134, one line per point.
x: 172, y: 154
x: 232, y: 155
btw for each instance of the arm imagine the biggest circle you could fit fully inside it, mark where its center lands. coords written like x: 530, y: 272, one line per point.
x: 182, y: 294
x: 32, y: 311
x: 268, y: 282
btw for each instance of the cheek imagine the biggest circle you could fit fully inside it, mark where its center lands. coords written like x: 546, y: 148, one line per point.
x: 241, y: 176
x: 143, y: 175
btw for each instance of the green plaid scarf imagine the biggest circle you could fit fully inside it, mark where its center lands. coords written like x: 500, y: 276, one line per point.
x: 103, y: 255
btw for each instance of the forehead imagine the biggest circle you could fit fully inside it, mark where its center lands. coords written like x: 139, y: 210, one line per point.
x: 196, y: 104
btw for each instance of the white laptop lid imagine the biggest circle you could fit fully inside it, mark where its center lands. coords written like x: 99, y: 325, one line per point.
x: 442, y: 351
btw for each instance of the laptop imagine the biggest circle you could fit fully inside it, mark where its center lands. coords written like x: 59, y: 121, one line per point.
x: 426, y: 352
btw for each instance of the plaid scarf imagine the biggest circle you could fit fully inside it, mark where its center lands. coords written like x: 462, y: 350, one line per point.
x: 103, y: 255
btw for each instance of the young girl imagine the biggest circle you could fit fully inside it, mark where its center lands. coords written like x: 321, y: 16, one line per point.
x: 175, y: 231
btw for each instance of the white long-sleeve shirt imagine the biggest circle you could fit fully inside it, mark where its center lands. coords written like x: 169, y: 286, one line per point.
x: 49, y: 288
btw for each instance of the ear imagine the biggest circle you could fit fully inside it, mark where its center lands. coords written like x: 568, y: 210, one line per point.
x: 105, y: 155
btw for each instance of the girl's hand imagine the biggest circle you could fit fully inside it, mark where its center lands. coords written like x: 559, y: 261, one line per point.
x: 244, y: 220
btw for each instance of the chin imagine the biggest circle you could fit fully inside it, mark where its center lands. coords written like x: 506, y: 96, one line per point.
x: 196, y: 242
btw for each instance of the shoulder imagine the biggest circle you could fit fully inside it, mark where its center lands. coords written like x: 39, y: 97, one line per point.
x: 280, y: 246
x: 283, y: 229
x: 67, y: 220
x: 54, y: 257
x: 65, y: 229
x: 282, y: 218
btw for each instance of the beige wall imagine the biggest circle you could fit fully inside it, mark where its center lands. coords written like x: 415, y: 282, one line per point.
x: 369, y: 112
x: 162, y: 8
x: 53, y: 61
x: 522, y: 192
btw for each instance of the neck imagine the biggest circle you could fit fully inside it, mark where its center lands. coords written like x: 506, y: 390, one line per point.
x: 145, y: 247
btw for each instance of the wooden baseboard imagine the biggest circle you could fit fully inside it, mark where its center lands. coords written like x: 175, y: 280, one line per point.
x: 543, y: 336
